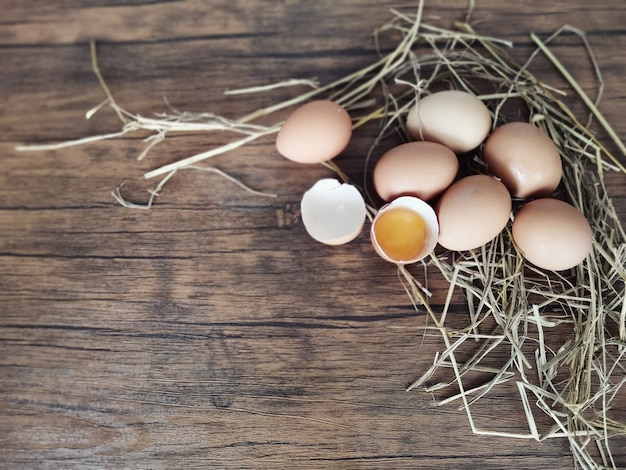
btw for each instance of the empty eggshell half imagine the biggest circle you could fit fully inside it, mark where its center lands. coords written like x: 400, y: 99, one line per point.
x: 332, y: 212
x: 315, y: 132
x: 405, y: 230
x: 454, y: 118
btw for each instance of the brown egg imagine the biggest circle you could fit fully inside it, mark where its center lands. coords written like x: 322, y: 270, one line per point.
x: 524, y: 158
x: 552, y: 234
x: 472, y: 212
x: 315, y: 132
x: 421, y: 169
x: 454, y: 118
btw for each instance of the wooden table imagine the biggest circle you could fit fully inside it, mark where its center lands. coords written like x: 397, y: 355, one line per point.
x: 211, y: 331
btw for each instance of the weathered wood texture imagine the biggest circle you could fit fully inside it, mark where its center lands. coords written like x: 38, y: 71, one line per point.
x: 211, y: 331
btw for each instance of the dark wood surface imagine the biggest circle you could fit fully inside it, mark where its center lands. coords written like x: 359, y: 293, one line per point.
x: 211, y: 331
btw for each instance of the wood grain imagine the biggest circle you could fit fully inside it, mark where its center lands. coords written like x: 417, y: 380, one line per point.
x: 211, y: 332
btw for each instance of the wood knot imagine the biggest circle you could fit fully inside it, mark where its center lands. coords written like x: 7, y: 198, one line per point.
x: 288, y: 216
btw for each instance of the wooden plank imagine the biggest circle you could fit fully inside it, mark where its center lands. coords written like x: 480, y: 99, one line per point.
x: 211, y: 332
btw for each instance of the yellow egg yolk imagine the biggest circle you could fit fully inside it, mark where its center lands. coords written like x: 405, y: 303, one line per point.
x: 400, y: 233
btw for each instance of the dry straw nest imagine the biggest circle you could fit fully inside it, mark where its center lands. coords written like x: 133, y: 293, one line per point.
x: 565, y: 332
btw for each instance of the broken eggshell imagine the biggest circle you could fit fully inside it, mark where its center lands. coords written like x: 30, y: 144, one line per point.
x: 333, y: 213
x: 411, y: 230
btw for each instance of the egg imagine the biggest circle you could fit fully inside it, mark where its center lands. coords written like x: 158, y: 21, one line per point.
x: 333, y: 213
x: 472, y: 211
x: 315, y: 132
x: 552, y: 234
x: 524, y: 158
x: 405, y: 230
x: 454, y: 118
x: 421, y: 169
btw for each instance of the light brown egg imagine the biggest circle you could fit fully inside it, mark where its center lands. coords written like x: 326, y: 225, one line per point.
x: 315, y: 132
x: 421, y: 169
x: 454, y: 118
x: 524, y: 158
x: 552, y: 234
x: 472, y: 211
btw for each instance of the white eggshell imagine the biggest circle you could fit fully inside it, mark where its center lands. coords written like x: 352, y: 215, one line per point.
x: 332, y: 212
x: 421, y: 208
